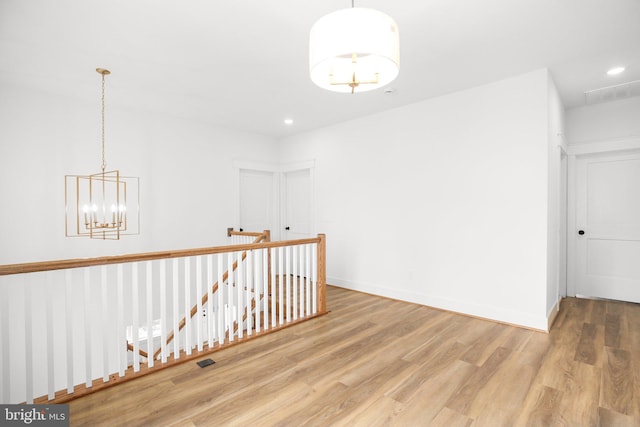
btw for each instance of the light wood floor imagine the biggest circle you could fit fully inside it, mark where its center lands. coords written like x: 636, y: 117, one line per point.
x: 374, y: 361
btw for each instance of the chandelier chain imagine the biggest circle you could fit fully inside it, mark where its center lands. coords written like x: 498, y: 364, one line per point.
x: 104, y: 163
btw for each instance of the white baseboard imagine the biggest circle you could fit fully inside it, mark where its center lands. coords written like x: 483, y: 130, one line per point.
x: 498, y: 314
x: 553, y: 313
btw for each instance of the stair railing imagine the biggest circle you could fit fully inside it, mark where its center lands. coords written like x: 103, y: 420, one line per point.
x: 66, y: 326
x: 257, y: 238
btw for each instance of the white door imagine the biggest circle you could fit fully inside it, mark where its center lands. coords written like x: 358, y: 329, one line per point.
x: 608, y: 226
x: 256, y: 198
x: 297, y: 221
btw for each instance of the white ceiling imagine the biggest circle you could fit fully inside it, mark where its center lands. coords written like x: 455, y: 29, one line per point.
x: 243, y: 64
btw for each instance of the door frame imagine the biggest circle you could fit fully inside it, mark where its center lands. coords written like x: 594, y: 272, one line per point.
x: 294, y: 167
x: 575, y: 152
x: 563, y: 224
x: 240, y: 165
x: 278, y: 170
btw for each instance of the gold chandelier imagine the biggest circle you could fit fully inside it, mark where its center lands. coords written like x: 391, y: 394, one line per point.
x: 355, y: 48
x: 104, y: 205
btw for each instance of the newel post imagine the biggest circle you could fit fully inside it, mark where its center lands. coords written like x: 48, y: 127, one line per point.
x: 322, y: 273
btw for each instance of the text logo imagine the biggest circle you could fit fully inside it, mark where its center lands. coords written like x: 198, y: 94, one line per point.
x: 34, y: 415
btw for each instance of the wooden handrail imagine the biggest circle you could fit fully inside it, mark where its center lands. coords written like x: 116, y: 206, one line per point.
x: 232, y: 232
x: 141, y: 351
x: 33, y: 267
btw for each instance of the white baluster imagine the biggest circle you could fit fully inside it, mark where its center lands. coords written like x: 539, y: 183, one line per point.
x: 230, y: 297
x: 121, y: 336
x: 303, y: 279
x: 149, y: 295
x: 163, y: 311
x: 5, y: 337
x: 12, y: 317
x: 211, y: 328
x: 239, y: 302
x: 105, y: 323
x: 69, y: 309
x: 187, y: 305
x: 287, y: 282
x: 300, y: 279
x: 280, y: 286
x: 221, y: 293
x: 135, y: 323
x: 265, y: 287
x: 28, y: 340
x: 87, y: 327
x: 314, y: 278
x: 249, y: 286
x: 257, y: 285
x: 199, y: 320
x: 294, y: 280
x: 307, y: 278
x: 273, y: 288
x: 49, y: 300
x: 176, y: 304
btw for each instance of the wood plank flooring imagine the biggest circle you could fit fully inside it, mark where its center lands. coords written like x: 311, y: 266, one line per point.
x: 378, y: 362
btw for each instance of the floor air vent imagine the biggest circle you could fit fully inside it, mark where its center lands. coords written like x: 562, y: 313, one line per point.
x: 612, y: 93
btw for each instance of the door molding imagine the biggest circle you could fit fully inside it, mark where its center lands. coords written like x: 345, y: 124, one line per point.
x: 609, y: 146
x: 563, y: 224
x: 278, y: 169
x: 604, y: 145
x: 239, y: 165
x: 293, y: 167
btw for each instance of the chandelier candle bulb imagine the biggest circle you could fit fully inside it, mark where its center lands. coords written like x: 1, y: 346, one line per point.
x: 94, y: 212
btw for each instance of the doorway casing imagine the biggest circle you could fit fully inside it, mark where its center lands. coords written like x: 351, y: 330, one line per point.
x: 280, y: 198
x: 575, y: 152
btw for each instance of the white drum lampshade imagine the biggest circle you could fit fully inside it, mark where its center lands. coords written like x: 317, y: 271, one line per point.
x: 355, y: 48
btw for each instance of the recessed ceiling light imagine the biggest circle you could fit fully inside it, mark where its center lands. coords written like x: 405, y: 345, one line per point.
x: 615, y: 71
x: 288, y: 121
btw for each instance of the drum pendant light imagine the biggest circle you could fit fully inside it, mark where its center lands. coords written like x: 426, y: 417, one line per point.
x: 354, y: 49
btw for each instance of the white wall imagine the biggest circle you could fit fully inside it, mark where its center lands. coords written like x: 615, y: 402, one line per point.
x: 185, y: 171
x: 443, y: 202
x: 457, y: 189
x: 556, y: 231
x: 606, y: 121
